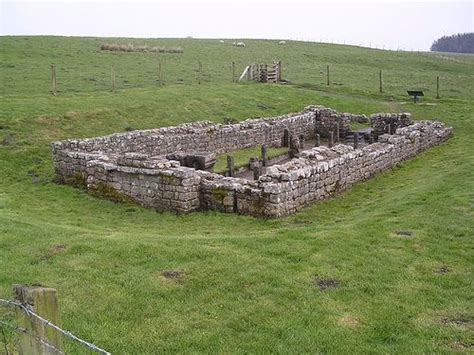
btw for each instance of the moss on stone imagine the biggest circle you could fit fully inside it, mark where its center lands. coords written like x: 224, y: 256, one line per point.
x: 219, y: 193
x: 103, y: 190
x: 77, y: 180
x: 169, y: 179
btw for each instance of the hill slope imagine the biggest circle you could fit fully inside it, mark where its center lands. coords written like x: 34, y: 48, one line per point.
x: 244, y: 285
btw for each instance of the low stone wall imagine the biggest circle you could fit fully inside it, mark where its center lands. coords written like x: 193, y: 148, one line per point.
x: 133, y: 166
x: 166, y: 187
x: 383, y: 123
x: 321, y: 172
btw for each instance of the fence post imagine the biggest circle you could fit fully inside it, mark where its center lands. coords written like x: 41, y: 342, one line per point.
x: 54, y: 84
x: 200, y: 73
x: 159, y: 74
x: 233, y: 72
x: 380, y: 80
x: 44, y: 302
x: 437, y: 87
x: 279, y: 71
x: 327, y: 73
x: 112, y: 76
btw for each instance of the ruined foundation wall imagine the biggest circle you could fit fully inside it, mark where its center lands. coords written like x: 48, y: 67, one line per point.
x: 70, y: 156
x: 168, y: 187
x: 322, y: 171
x: 140, y: 172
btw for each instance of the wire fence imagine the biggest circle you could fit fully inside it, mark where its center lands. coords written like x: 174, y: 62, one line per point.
x: 28, y: 311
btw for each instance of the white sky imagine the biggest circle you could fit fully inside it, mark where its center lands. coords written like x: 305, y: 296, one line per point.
x: 391, y: 24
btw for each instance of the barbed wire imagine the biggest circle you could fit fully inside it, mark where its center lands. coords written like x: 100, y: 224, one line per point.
x: 66, y: 333
x: 37, y: 338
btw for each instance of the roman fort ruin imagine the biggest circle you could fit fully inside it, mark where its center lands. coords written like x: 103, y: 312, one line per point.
x: 171, y: 168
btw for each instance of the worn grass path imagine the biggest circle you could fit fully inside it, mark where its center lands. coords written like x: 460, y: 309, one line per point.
x: 243, y: 284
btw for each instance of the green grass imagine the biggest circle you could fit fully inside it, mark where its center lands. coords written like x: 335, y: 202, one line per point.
x: 247, y: 284
x: 242, y: 157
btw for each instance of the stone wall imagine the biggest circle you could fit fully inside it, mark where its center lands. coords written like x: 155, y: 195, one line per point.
x: 133, y: 166
x: 321, y: 172
x: 383, y: 123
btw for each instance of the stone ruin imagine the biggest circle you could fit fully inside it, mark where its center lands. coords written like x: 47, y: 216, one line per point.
x: 171, y: 168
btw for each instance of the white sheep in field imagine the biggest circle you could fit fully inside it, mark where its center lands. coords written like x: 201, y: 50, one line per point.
x: 238, y: 44
x: 221, y: 41
x: 282, y: 42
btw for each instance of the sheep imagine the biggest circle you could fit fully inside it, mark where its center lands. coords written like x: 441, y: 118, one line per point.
x: 282, y: 42
x: 238, y: 44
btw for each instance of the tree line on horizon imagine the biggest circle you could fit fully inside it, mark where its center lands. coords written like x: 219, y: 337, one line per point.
x: 458, y: 43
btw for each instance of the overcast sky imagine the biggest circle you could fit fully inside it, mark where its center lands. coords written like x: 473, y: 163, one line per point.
x: 386, y: 24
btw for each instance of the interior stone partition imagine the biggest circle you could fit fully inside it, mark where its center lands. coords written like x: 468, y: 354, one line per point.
x: 133, y: 166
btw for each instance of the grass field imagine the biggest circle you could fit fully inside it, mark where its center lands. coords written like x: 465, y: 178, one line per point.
x: 244, y: 284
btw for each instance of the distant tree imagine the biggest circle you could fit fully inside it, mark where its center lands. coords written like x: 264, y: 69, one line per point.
x: 458, y: 43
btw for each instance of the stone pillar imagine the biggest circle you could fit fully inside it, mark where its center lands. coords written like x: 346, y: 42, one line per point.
x: 317, y: 142
x: 264, y: 155
x: 301, y: 141
x: 286, y: 138
x: 230, y: 165
x: 337, y: 132
x: 371, y: 138
x: 254, y: 165
x: 356, y: 140
x: 331, y: 139
x: 294, y: 146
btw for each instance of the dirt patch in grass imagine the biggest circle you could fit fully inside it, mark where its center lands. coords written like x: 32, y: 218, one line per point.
x: 404, y: 233
x: 58, y: 248
x: 349, y: 321
x: 461, y: 346
x: 8, y: 140
x: 326, y: 283
x: 461, y: 320
x: 443, y: 270
x: 302, y: 222
x: 172, y: 274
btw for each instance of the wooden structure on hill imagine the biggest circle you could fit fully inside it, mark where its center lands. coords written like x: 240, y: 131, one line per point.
x: 263, y: 73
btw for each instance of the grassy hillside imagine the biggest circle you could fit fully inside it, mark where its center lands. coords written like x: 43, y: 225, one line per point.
x: 244, y: 284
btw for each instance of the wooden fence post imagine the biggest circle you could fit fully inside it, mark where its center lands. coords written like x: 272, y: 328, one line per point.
x: 44, y: 302
x: 327, y: 73
x: 279, y: 71
x: 159, y: 74
x: 54, y: 84
x: 380, y: 81
x: 233, y: 72
x: 112, y: 77
x: 437, y: 87
x: 200, y: 73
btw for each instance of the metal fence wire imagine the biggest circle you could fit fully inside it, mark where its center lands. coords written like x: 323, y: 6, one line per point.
x: 30, y: 313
